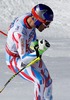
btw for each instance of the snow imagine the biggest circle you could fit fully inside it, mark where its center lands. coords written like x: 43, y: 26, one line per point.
x: 57, y: 58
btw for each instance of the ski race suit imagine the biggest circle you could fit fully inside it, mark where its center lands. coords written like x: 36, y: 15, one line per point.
x: 18, y: 51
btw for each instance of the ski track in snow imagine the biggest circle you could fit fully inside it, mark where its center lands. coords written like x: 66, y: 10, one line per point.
x: 56, y: 58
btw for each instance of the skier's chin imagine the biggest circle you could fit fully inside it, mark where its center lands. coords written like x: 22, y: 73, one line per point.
x: 40, y: 30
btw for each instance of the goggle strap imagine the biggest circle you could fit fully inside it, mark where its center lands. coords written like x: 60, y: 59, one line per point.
x: 36, y: 16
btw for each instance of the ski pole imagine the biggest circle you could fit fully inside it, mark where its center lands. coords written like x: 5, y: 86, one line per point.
x: 32, y: 62
x: 3, y: 33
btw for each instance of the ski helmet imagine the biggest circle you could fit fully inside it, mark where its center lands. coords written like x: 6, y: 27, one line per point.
x: 42, y: 14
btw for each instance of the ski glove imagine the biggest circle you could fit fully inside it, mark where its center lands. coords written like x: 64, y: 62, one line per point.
x: 40, y: 46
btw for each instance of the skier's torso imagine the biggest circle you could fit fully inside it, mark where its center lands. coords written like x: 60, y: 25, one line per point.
x: 24, y: 33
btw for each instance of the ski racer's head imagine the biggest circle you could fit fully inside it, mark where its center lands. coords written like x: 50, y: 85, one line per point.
x: 43, y: 16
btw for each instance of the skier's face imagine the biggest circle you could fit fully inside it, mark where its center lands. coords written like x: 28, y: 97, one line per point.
x: 31, y: 22
x: 41, y: 27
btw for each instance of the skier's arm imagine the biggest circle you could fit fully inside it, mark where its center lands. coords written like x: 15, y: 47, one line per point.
x: 20, y: 43
x: 21, y: 47
x: 39, y: 47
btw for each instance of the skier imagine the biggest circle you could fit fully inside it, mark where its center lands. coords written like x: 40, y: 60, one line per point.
x: 22, y: 46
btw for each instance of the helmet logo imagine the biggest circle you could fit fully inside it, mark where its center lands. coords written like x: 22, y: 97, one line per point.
x: 41, y: 12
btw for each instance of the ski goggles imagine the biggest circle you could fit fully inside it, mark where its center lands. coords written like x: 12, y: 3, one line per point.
x: 38, y: 23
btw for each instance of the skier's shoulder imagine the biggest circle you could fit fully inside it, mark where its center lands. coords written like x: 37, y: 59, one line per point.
x: 24, y: 15
x: 20, y: 20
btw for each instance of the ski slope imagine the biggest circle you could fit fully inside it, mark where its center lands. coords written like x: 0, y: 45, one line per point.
x: 57, y: 58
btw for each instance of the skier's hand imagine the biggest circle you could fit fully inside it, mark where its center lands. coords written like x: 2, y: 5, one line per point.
x: 34, y: 44
x: 40, y: 46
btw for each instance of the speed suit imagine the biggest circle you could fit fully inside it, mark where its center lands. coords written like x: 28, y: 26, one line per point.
x: 18, y: 54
